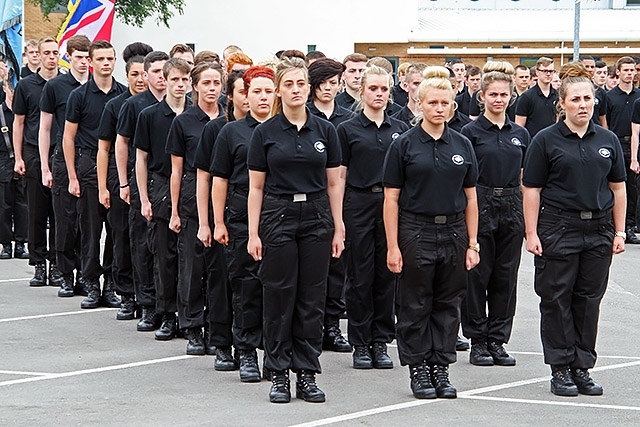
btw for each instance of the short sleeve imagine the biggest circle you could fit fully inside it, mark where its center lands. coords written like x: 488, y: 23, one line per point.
x: 471, y: 178
x: 141, y: 138
x: 74, y: 107
x: 635, y: 112
x: 536, y: 168
x: 19, y: 105
x: 618, y: 171
x: 523, y: 105
x: 175, y: 139
x: 344, y: 145
x: 393, y: 169
x: 48, y: 99
x: 334, y: 153
x: 221, y: 159
x: 108, y: 121
x: 126, y: 125
x: 257, y: 156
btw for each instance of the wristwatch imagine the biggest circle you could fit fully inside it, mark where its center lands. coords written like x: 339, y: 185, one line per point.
x: 475, y: 247
x: 621, y: 234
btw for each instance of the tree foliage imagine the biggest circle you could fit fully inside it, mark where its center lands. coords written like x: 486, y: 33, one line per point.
x: 132, y: 12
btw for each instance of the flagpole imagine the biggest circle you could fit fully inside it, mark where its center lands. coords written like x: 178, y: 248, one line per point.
x: 576, y: 31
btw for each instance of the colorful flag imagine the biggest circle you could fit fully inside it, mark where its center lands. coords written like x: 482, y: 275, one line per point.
x: 11, y: 37
x: 92, y: 18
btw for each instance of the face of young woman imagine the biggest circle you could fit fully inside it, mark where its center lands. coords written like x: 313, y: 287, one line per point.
x: 496, y: 97
x: 375, y: 92
x: 239, y: 97
x: 436, y: 106
x: 260, y: 96
x: 209, y: 86
x: 578, y: 104
x: 328, y: 89
x: 135, y: 78
x: 293, y: 89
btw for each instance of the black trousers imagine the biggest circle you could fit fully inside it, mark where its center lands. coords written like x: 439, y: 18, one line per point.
x: 631, y: 187
x: 203, y: 287
x: 430, y: 288
x: 141, y: 256
x: 164, y: 246
x: 246, y: 288
x: 66, y: 217
x: 570, y: 278
x: 13, y: 206
x: 118, y: 218
x: 335, y: 304
x: 492, y: 284
x: 41, y: 245
x: 370, y: 293
x: 91, y: 219
x: 296, y: 247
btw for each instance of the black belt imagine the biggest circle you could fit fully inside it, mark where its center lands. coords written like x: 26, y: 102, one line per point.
x: 239, y: 191
x: 372, y: 189
x: 577, y: 214
x: 625, y: 139
x: 299, y: 197
x: 86, y: 151
x: 499, y: 192
x: 438, y: 219
x: 188, y: 174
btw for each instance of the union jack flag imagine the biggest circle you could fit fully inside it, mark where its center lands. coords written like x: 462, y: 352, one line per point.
x: 92, y: 18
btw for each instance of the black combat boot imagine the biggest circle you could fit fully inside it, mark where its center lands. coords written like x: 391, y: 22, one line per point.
x: 249, y: 370
x: 440, y: 380
x: 479, y: 354
x: 109, y: 297
x: 6, y: 251
x: 332, y: 339
x: 421, y: 382
x: 307, y: 389
x: 584, y: 382
x: 127, y: 308
x: 39, y: 276
x: 66, y: 289
x: 81, y: 287
x: 149, y: 320
x: 280, y: 387
x: 500, y: 355
x: 167, y: 330
x: 362, y: 357
x: 20, y: 252
x: 93, y: 299
x: 195, y: 346
x: 562, y: 381
x: 381, y: 359
x: 224, y: 360
x: 55, y: 276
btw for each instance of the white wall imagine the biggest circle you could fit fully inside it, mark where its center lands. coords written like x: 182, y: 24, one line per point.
x: 262, y: 28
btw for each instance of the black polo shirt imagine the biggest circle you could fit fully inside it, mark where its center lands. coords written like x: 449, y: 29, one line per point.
x: 53, y: 100
x: 204, y: 151
x: 109, y: 118
x: 8, y: 119
x: 364, y: 146
x: 230, y: 153
x: 295, y: 161
x: 85, y: 106
x: 26, y: 72
x: 475, y: 107
x: 573, y: 172
x: 500, y: 152
x: 619, y: 110
x: 128, y: 114
x: 539, y: 110
x: 339, y: 114
x: 405, y: 115
x: 599, y: 105
x: 463, y: 99
x: 153, y: 127
x: 26, y: 102
x: 458, y: 121
x: 185, y: 133
x: 431, y: 174
x: 400, y: 96
x: 345, y: 100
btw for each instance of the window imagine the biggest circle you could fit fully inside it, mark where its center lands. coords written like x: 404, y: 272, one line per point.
x: 56, y: 9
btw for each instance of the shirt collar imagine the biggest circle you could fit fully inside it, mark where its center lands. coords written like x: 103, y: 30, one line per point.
x: 425, y: 137
x: 286, y: 124
x: 487, y: 124
x: 566, y: 132
x: 364, y: 120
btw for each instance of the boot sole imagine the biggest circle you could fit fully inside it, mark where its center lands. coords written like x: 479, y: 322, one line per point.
x: 381, y: 366
x: 431, y: 394
x: 565, y: 393
x: 311, y: 399
x: 196, y: 352
x: 125, y: 316
x: 65, y: 295
x: 282, y: 399
x: 225, y: 367
x: 165, y: 337
x: 447, y: 394
x: 250, y: 379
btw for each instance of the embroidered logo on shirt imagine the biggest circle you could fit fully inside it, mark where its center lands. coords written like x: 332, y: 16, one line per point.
x: 604, y: 152
x: 596, y: 101
x: 319, y: 146
x: 457, y: 159
x: 394, y: 136
x: 517, y: 142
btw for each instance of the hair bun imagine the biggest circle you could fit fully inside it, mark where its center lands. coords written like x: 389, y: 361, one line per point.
x: 500, y: 66
x: 435, y: 72
x: 573, y: 69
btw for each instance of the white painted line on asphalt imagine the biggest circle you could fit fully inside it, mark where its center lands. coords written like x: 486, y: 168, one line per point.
x: 95, y: 370
x: 551, y: 402
x: 15, y: 280
x: 65, y: 313
x: 472, y: 394
x: 25, y: 373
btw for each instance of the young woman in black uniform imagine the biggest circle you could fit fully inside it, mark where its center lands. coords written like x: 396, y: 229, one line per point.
x: 574, y: 212
x: 295, y: 226
x: 229, y: 198
x: 369, y: 295
x: 237, y: 108
x: 201, y: 269
x: 324, y: 78
x: 499, y: 145
x: 431, y: 222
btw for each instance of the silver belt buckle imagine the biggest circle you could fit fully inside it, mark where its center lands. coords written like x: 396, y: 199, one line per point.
x: 376, y: 189
x: 300, y: 197
x: 498, y: 191
x: 586, y: 215
x: 4, y: 129
x: 440, y: 219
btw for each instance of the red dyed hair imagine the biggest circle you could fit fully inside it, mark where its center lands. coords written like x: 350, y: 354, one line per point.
x: 257, y: 71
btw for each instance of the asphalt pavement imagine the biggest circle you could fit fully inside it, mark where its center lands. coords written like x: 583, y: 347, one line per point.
x: 63, y: 366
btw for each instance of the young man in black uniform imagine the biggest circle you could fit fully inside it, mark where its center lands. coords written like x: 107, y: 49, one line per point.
x: 108, y: 185
x: 26, y: 107
x: 80, y: 145
x: 13, y: 207
x: 460, y: 70
x: 142, y: 260
x: 600, y: 108
x: 354, y: 65
x: 53, y: 104
x: 413, y: 78
x: 600, y: 75
x: 469, y: 95
x: 32, y: 53
x: 620, y: 102
x: 399, y: 90
x: 153, y: 170
x: 536, y: 108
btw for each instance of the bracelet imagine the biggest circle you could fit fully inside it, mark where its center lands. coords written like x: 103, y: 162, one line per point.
x: 475, y: 247
x: 124, y: 186
x: 621, y: 234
